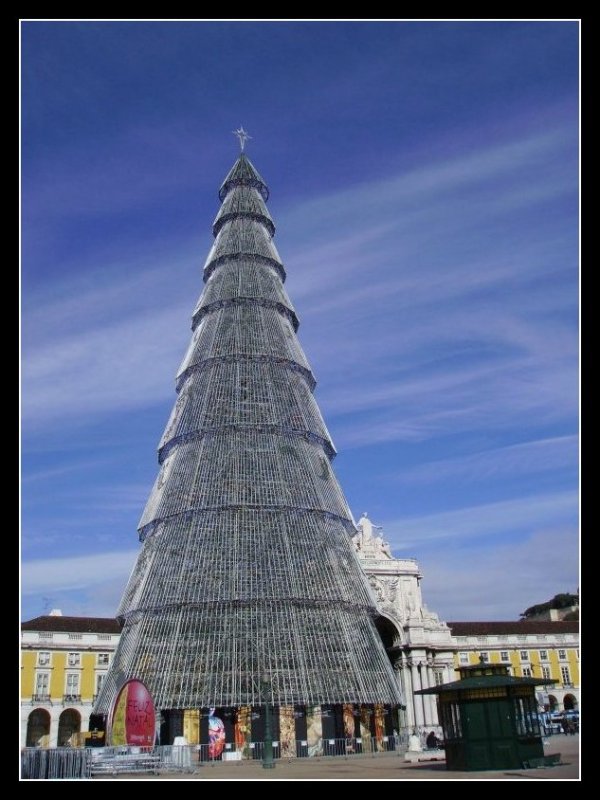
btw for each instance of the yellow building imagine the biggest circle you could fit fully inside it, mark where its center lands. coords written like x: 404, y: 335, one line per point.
x: 529, y: 649
x: 65, y: 659
x: 63, y: 663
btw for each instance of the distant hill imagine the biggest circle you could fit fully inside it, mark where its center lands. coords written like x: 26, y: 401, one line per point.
x: 562, y: 606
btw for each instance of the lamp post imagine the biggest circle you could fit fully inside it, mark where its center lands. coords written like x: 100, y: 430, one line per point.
x: 268, y: 762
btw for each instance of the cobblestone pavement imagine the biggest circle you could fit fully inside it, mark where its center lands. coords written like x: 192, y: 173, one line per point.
x: 383, y: 767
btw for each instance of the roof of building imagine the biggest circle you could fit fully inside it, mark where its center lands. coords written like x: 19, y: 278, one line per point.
x: 518, y: 627
x: 487, y: 682
x: 72, y: 624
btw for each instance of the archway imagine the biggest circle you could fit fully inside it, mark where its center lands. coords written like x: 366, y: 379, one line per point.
x: 69, y: 723
x: 552, y: 702
x: 389, y: 635
x: 38, y: 728
x: 569, y: 702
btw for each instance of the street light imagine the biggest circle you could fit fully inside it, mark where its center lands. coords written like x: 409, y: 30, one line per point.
x: 268, y: 762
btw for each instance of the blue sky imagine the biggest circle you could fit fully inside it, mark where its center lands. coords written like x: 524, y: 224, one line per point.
x: 424, y: 185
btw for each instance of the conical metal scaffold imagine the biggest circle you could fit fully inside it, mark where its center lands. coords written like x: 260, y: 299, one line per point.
x: 247, y: 577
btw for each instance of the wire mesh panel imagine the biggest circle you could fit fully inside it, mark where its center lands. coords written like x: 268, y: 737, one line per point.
x: 244, y: 331
x: 55, y: 763
x: 247, y: 576
x: 242, y: 278
x: 245, y: 202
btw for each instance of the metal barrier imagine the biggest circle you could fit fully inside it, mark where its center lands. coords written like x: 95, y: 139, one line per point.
x: 71, y: 762
x: 113, y: 760
x: 57, y: 762
x: 359, y: 746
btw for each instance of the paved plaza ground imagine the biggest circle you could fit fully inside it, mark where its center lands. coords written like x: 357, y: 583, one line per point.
x: 385, y: 766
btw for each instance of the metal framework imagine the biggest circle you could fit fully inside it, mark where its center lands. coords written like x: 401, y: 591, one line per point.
x: 247, y: 576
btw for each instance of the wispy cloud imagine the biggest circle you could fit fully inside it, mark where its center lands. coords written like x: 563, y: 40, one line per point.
x: 44, y: 576
x: 76, y: 466
x: 500, y: 583
x: 438, y: 299
x: 526, y: 457
x: 357, y: 259
x: 119, y: 366
x: 503, y: 517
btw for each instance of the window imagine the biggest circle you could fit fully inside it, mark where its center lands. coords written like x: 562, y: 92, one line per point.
x: 74, y: 659
x: 485, y: 656
x: 42, y: 681
x: 527, y: 672
x: 544, y: 655
x: 451, y: 720
x: 103, y: 659
x: 72, y: 683
x: 43, y: 659
x: 524, y: 655
x: 99, y: 681
x: 546, y: 672
x: 565, y: 674
x: 525, y: 715
x: 562, y: 654
x: 438, y: 677
x: 504, y: 655
x: 463, y: 658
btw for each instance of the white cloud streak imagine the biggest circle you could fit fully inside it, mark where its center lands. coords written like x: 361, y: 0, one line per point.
x: 480, y: 521
x: 526, y: 457
x: 396, y: 276
x: 500, y: 583
x: 48, y: 575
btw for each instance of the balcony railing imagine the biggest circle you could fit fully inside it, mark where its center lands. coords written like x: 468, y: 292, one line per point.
x: 40, y: 698
x: 71, y: 698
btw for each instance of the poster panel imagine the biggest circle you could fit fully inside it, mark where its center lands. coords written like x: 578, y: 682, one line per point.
x: 314, y: 730
x: 365, y: 728
x: 216, y: 735
x: 242, y: 730
x: 287, y: 732
x: 348, y: 718
x: 191, y: 725
x: 379, y: 727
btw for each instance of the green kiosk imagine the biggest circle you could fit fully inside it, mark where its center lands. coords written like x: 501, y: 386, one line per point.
x: 490, y: 719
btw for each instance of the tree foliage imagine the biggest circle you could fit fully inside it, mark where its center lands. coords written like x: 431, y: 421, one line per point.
x: 564, y: 600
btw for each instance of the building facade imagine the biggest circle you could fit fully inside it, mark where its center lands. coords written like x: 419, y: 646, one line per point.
x: 64, y: 661
x: 544, y: 649
x: 426, y: 651
x: 418, y: 643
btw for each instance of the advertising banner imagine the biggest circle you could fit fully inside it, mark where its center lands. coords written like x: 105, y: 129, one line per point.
x: 133, y: 717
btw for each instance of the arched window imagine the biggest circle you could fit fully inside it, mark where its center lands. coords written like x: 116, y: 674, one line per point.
x: 38, y: 728
x: 69, y: 723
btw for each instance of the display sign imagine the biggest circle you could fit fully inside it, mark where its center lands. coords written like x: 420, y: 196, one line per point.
x: 133, y: 718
